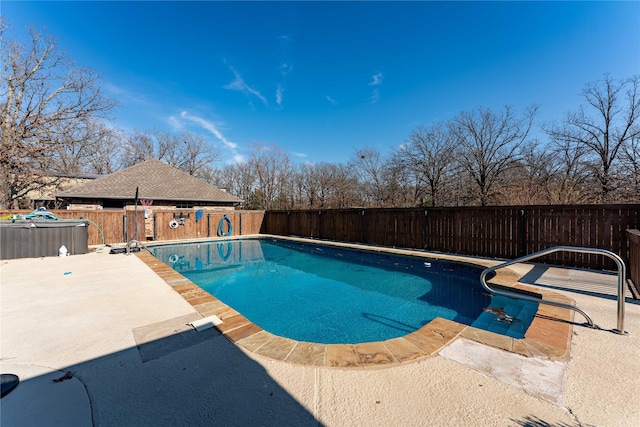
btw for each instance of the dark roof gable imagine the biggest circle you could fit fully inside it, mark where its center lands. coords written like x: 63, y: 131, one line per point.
x: 156, y: 180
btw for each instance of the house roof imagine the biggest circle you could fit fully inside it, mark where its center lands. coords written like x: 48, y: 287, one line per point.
x: 155, y: 180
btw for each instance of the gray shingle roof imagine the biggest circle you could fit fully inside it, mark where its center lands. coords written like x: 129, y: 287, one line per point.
x: 156, y: 180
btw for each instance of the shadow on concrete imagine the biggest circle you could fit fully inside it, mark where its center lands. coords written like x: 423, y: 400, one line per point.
x: 185, y: 379
x: 530, y: 421
x: 535, y: 274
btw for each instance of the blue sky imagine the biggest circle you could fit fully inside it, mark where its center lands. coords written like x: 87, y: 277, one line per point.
x: 320, y: 79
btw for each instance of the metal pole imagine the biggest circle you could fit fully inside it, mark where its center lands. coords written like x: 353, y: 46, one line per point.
x: 135, y: 208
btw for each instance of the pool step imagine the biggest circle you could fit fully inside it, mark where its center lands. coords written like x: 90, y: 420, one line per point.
x: 520, y: 313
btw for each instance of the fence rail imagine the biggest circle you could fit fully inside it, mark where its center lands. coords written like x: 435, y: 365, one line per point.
x: 495, y: 232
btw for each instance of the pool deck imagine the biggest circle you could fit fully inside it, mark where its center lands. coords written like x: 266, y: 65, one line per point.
x: 118, y: 325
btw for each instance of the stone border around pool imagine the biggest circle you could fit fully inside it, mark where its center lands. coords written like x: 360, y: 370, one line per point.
x: 548, y: 336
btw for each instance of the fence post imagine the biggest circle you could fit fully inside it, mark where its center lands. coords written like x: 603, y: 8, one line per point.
x: 155, y: 227
x: 521, y: 234
x: 425, y: 232
x: 363, y: 225
x: 395, y: 229
x: 124, y: 227
x: 634, y: 258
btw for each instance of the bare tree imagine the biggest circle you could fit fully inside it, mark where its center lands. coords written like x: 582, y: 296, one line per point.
x: 272, y: 170
x: 409, y: 191
x: 571, y: 181
x: 142, y: 146
x: 330, y: 185
x: 297, y: 192
x: 90, y: 147
x: 196, y: 155
x: 488, y: 145
x: 187, y: 151
x: 610, y: 118
x: 107, y: 150
x: 310, y: 180
x: 401, y: 185
x: 344, y: 190
x: 238, y: 179
x: 529, y: 180
x: 41, y: 92
x: 369, y: 166
x: 429, y: 154
x: 631, y: 168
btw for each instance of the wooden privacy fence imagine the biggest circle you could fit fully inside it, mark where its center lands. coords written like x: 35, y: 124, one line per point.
x: 495, y: 232
x: 119, y: 226
x: 242, y: 223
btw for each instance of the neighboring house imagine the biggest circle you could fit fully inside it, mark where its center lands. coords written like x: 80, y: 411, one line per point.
x: 42, y: 191
x: 166, y: 187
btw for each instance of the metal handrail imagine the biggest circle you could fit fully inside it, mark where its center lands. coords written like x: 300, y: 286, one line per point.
x: 138, y: 245
x: 621, y: 281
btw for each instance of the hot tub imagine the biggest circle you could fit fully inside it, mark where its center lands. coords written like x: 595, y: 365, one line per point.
x: 38, y: 238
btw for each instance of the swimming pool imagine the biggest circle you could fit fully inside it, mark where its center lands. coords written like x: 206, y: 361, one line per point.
x: 326, y: 294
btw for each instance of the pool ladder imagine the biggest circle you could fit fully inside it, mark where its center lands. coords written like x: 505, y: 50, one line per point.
x: 510, y: 294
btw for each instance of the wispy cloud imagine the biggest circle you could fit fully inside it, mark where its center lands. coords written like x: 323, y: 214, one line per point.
x: 176, y: 123
x: 285, y: 69
x: 376, y: 79
x: 296, y: 154
x: 124, y: 94
x: 279, y: 92
x: 331, y: 100
x: 284, y: 43
x: 241, y: 86
x: 375, y: 96
x: 209, y: 126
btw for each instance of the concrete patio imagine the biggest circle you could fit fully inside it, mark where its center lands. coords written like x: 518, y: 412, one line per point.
x: 81, y: 315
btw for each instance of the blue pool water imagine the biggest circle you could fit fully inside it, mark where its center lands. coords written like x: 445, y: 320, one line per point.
x: 327, y: 295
